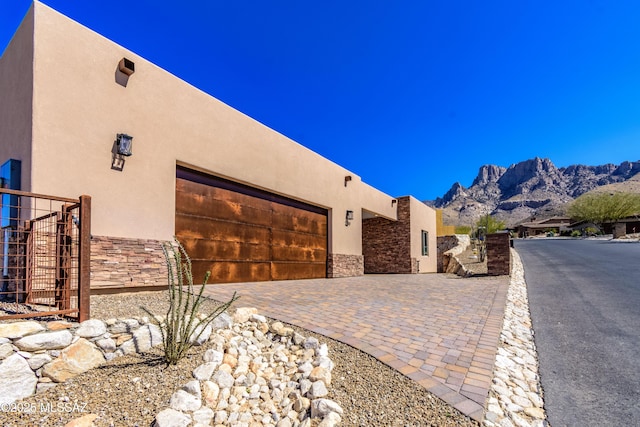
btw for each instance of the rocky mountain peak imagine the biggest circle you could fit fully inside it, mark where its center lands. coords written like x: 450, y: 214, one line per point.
x: 488, y: 174
x: 455, y: 192
x: 532, y: 187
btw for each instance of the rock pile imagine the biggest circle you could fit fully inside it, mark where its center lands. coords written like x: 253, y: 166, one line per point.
x: 257, y: 374
x: 515, y: 398
x: 34, y: 356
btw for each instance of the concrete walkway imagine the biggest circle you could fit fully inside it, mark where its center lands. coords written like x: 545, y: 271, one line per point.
x: 440, y: 330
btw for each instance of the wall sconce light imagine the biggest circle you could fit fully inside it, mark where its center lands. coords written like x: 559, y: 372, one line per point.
x: 348, y: 218
x: 394, y: 201
x: 121, y: 148
x: 124, y: 142
x: 347, y: 179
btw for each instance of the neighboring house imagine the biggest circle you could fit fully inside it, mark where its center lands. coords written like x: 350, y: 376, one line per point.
x: 248, y: 203
x: 557, y: 224
x: 621, y: 227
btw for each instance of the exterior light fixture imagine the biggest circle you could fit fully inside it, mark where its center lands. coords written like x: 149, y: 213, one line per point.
x: 348, y: 218
x: 394, y: 201
x: 124, y: 143
x: 347, y: 179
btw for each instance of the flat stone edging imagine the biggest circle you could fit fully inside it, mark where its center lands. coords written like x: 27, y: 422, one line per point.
x: 516, y: 397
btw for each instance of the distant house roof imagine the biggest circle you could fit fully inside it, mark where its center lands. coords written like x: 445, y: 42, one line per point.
x: 553, y: 222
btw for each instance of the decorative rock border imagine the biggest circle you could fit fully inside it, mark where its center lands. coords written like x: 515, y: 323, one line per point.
x: 515, y: 398
x: 257, y: 374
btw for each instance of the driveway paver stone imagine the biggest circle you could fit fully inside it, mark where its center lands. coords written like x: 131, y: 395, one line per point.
x: 440, y: 330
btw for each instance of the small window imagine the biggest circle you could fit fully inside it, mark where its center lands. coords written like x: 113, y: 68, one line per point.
x: 425, y: 243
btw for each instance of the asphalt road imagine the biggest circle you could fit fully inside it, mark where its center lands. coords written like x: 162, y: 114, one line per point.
x: 584, y: 297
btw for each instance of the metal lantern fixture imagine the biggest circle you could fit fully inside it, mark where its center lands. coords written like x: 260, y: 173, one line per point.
x: 124, y: 144
x: 348, y: 218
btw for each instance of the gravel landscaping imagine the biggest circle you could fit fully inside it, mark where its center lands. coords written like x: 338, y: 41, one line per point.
x: 131, y: 390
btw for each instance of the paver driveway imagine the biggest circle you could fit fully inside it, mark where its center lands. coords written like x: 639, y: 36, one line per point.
x: 440, y: 330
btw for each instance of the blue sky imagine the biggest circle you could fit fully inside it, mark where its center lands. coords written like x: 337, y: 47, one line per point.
x: 410, y: 95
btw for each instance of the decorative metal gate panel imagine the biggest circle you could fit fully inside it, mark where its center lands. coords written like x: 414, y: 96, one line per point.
x: 45, y: 255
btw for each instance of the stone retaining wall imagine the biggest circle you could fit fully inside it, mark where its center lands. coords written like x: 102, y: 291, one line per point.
x: 36, y: 355
x: 449, y: 247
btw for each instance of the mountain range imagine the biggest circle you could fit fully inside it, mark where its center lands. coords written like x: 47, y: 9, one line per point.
x: 534, y: 187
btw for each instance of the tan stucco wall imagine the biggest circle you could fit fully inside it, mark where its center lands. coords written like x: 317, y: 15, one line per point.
x: 16, y: 89
x: 78, y: 109
x: 423, y: 218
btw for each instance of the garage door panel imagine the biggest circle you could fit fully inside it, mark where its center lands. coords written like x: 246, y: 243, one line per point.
x: 191, y: 204
x: 205, y: 191
x: 293, y: 271
x: 231, y: 271
x: 244, y: 234
x: 301, y: 240
x: 200, y: 249
x: 304, y: 222
x: 292, y: 253
x: 213, y: 229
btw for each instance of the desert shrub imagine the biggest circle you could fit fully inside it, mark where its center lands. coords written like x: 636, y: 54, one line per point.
x: 604, y: 207
x: 463, y: 229
x: 591, y: 231
x: 182, y: 325
x: 576, y: 233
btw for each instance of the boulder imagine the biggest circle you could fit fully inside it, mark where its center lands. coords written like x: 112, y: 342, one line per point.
x: 188, y: 398
x: 17, y: 380
x: 204, y: 371
x: 38, y: 361
x: 318, y: 389
x: 203, y: 416
x: 79, y: 357
x: 172, y: 418
x: 91, y: 328
x: 223, y: 379
x: 212, y: 355
x: 20, y: 329
x: 223, y: 321
x: 6, y: 350
x: 58, y: 325
x: 83, y: 421
x: 332, y: 419
x: 320, y: 374
x: 143, y: 339
x: 243, y: 314
x: 45, y: 341
x: 210, y: 393
x: 322, y: 407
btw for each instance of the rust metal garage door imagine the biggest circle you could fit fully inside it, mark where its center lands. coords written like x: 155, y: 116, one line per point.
x: 243, y: 234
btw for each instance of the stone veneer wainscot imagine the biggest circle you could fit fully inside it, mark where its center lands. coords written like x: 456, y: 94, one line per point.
x: 118, y: 263
x: 341, y: 265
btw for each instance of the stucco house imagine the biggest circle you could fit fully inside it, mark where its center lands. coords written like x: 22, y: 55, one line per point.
x: 248, y: 203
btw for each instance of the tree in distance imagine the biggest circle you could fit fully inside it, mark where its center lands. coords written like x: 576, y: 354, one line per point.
x: 489, y: 225
x: 604, y: 207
